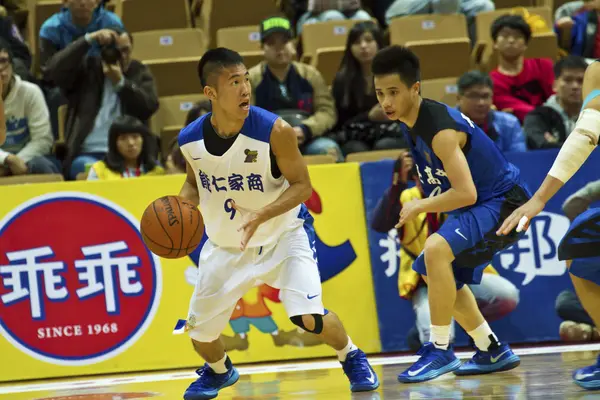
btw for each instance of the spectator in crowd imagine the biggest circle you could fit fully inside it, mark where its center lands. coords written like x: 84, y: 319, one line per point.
x: 549, y: 125
x: 21, y: 54
x: 496, y: 296
x: 331, y: 10
x: 76, y: 19
x: 577, y: 324
x: 475, y: 91
x: 520, y: 84
x: 577, y: 28
x: 174, y: 160
x: 29, y: 136
x: 2, y: 117
x: 131, y: 152
x: 362, y: 125
x: 470, y: 8
x: 286, y: 87
x: 99, y: 89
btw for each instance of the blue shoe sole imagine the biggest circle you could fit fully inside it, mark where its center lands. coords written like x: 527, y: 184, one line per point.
x: 588, y: 385
x: 364, y: 388
x: 431, y: 374
x: 507, y: 364
x: 211, y: 395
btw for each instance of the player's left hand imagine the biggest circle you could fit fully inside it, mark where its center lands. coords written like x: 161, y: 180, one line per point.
x: 251, y: 220
x: 521, y: 217
x: 409, y: 212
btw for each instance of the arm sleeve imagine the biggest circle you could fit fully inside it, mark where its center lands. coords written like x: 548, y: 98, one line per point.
x: 38, y: 119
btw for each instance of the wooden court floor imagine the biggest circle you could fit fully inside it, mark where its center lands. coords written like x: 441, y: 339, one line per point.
x: 544, y: 374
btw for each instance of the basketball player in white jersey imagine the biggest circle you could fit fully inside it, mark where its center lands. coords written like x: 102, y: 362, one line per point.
x: 581, y: 244
x: 246, y: 173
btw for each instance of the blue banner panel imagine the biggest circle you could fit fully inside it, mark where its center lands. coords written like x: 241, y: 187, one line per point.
x: 531, y: 264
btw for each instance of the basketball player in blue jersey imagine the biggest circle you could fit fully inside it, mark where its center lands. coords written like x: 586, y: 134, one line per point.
x: 245, y: 172
x: 465, y: 175
x: 580, y: 244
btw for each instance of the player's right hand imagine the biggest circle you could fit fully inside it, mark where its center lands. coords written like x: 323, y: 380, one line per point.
x: 521, y: 217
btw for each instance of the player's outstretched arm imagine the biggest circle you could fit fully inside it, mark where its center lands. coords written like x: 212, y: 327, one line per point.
x: 573, y: 153
x: 462, y: 193
x: 189, y: 190
x: 284, y: 144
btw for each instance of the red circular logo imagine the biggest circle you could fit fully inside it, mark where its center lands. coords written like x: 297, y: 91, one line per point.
x: 78, y: 285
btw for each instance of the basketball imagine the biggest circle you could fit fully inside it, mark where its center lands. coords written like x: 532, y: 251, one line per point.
x: 171, y: 227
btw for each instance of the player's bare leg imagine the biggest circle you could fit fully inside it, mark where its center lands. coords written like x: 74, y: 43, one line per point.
x: 333, y: 333
x: 211, y: 352
x: 442, y: 288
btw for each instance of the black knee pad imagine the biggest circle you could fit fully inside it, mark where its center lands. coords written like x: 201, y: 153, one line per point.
x: 297, y: 320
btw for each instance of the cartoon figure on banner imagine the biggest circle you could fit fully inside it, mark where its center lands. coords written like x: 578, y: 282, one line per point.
x: 253, y: 310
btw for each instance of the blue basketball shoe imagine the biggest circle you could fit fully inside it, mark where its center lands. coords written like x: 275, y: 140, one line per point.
x: 358, y: 370
x: 501, y: 358
x: 433, y: 363
x: 209, y: 383
x: 588, y: 377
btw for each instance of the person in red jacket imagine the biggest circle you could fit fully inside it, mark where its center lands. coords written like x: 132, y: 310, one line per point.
x: 520, y: 84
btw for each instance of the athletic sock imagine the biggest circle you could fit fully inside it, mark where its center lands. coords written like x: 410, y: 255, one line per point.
x: 440, y: 336
x: 219, y: 367
x: 344, y: 352
x: 484, y: 338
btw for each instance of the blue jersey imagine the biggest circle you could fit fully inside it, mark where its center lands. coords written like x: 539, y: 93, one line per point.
x: 492, y: 173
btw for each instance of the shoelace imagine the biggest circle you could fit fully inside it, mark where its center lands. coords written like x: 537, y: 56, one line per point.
x: 359, y: 368
x: 202, y: 372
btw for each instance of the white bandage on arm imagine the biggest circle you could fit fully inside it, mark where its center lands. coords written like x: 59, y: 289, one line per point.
x: 578, y: 146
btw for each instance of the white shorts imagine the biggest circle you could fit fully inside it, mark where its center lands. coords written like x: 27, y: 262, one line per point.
x: 226, y: 274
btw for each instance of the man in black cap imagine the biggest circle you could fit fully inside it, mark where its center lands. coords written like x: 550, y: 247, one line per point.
x: 296, y: 91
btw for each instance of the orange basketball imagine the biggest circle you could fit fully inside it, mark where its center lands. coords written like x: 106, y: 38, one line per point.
x: 171, y: 227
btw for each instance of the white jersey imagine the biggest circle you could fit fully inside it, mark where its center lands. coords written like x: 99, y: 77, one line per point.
x: 242, y: 174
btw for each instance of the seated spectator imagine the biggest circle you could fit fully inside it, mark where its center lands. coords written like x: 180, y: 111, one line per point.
x: 131, y: 152
x: 283, y: 86
x: 577, y: 28
x: 22, y: 56
x: 549, y: 125
x: 475, y: 91
x: 496, y: 296
x: 362, y: 125
x: 520, y: 84
x: 29, y: 137
x: 99, y: 89
x: 76, y: 19
x: 331, y: 10
x: 470, y: 8
x: 174, y: 160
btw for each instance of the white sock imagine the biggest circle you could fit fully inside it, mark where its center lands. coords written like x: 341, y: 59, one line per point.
x: 344, y: 352
x: 483, y: 336
x: 440, y: 336
x: 219, y: 366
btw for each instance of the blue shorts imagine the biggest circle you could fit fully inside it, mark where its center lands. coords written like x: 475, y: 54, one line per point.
x: 472, y: 237
x: 263, y: 324
x: 581, y: 244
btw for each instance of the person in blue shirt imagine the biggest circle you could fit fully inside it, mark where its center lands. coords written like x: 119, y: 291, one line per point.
x: 77, y: 18
x: 475, y: 92
x: 465, y: 175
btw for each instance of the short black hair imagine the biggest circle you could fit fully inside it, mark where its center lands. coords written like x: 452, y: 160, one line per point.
x: 515, y: 22
x: 214, y: 60
x: 194, y: 112
x: 127, y: 124
x: 473, y: 78
x: 397, y: 60
x: 569, y: 62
